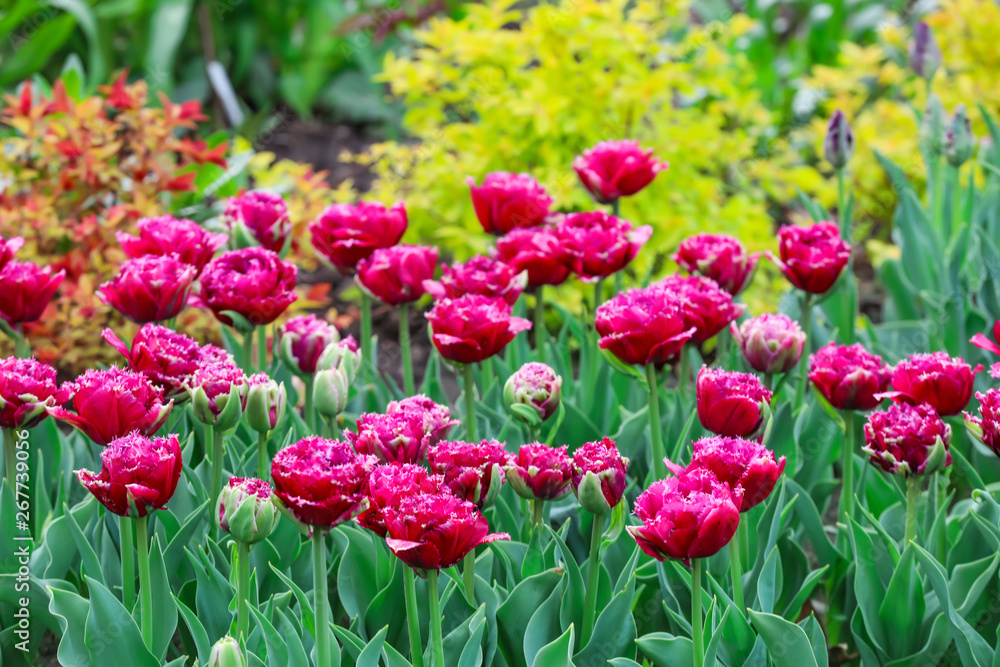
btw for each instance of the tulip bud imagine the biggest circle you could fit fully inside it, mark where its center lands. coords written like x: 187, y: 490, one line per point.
x: 301, y: 341
x: 472, y: 471
x: 218, y: 394
x: 330, y: 390
x: 265, y: 403
x: 770, y: 343
x: 932, y: 127
x: 247, y: 510
x: 533, y: 392
x: 925, y: 56
x: 959, y: 142
x: 908, y: 440
x: 540, y: 472
x: 838, y: 145
x: 599, y: 476
x: 343, y: 355
x: 227, y: 653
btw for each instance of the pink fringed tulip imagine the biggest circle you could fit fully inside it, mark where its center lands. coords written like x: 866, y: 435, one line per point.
x: 770, y: 343
x: 507, y: 201
x: 150, y: 289
x: 536, y: 251
x: 253, y: 282
x: 686, y: 517
x: 302, y: 340
x: 473, y: 328
x: 397, y: 275
x: 167, y: 235
x: 848, y: 376
x: 812, y: 258
x: 213, y: 387
x: 731, y: 404
x: 908, y: 440
x: 138, y: 475
x: 986, y: 427
x: 321, y: 482
x: 596, y: 245
x: 9, y: 248
x: 436, y: 418
x: 113, y: 403
x: 706, y: 307
x: 480, y: 275
x: 540, y: 472
x: 27, y: 390
x: 388, y: 485
x: 719, y: 257
x: 535, y: 386
x: 26, y: 290
x: 398, y: 438
x: 472, y: 470
x: 259, y: 217
x: 643, y: 326
x: 745, y: 464
x: 614, y: 169
x: 943, y: 382
x: 599, y: 476
x: 345, y: 234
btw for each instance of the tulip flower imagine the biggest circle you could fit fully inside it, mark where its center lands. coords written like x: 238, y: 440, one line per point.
x: 507, y: 201
x: 388, y: 484
x: 480, y: 275
x: 706, y: 307
x: 302, y: 340
x: 689, y: 518
x: 535, y: 251
x: 436, y: 418
x: 25, y: 291
x: 532, y: 393
x: 28, y: 390
x: 265, y: 406
x: 167, y: 358
x: 150, y: 289
x: 167, y: 235
x: 719, y: 257
x: 398, y: 438
x: 259, y: 218
x: 226, y: 653
x: 614, y: 169
x: 595, y: 245
x: 943, y: 382
x: 539, y: 473
x: 924, y: 53
x: 849, y: 377
x: 910, y: 441
x: 770, y: 343
x: 731, y: 404
x: 986, y: 427
x: 812, y: 258
x: 9, y: 248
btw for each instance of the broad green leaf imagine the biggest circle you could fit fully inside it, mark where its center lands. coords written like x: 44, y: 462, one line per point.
x: 557, y: 654
x: 787, y: 643
x: 112, y: 637
x: 71, y: 612
x: 666, y: 650
x: 512, y: 622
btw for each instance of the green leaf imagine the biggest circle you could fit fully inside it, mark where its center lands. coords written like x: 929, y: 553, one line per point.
x: 167, y: 25
x: 31, y: 55
x: 111, y: 636
x: 868, y: 586
x: 277, y: 650
x: 902, y: 610
x: 666, y: 650
x: 557, y: 654
x: 71, y: 612
x: 84, y: 16
x: 164, y: 608
x: 91, y: 564
x: 373, y: 651
x: 969, y: 581
x: 787, y: 643
x: 512, y: 622
x: 544, y: 626
x: 805, y: 590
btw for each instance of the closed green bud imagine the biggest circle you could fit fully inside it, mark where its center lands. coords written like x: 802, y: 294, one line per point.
x: 959, y: 141
x: 330, y: 390
x: 932, y: 128
x: 222, y: 411
x: 265, y: 403
x: 247, y: 510
x: 226, y: 653
x: 343, y: 355
x: 533, y: 392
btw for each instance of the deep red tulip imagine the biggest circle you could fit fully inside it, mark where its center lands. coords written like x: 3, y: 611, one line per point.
x: 261, y: 217
x: 397, y: 438
x: 705, y: 305
x: 535, y: 250
x: 739, y: 463
x: 540, y: 472
x: 150, y: 289
x: 943, y: 382
x: 908, y: 440
x: 167, y: 235
x: 595, y: 245
x: 436, y: 418
x: 536, y: 386
x: 848, y: 376
x: 344, y: 234
x: 730, y: 403
x: 480, y: 275
x: 599, y: 475
x: 986, y: 427
x: 719, y: 257
x: 26, y: 289
x: 302, y: 340
x: 473, y: 328
x: 321, y: 482
x: 770, y: 343
x: 433, y: 531
x: 506, y: 201
x: 138, y: 475
x: 388, y: 485
x: 397, y: 274
x: 691, y: 516
x: 643, y: 326
x: 112, y: 403
x: 813, y: 257
x: 472, y: 470
x: 27, y: 390
x: 9, y: 248
x: 252, y: 282
x: 613, y: 169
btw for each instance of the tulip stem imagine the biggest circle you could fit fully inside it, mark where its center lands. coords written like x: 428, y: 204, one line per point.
x: 593, y: 569
x: 537, y: 511
x: 697, y: 628
x: 956, y: 199
x: 409, y: 385
x: 845, y: 224
x: 469, y: 576
x: 684, y: 372
x: 10, y: 456
x: 470, y: 403
x: 800, y: 390
x: 243, y: 591
x: 22, y: 348
x: 308, y: 414
x: 434, y: 603
x: 912, y: 499
x: 736, y: 567
x: 412, y: 620
x: 145, y: 592
x: 847, y: 490
x: 366, y: 330
x: 216, y: 438
x: 659, y: 467
x: 248, y: 352
x: 598, y: 289
x: 128, y: 562
x: 540, y: 331
x: 261, y: 348
x: 321, y: 596
x: 262, y: 458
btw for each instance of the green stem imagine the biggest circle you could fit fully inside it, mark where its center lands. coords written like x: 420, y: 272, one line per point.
x: 242, y: 591
x: 321, y: 596
x: 404, y: 345
x: 434, y: 603
x: 616, y: 210
x: 684, y: 372
x: 537, y: 511
x: 598, y: 289
x: 937, y: 212
x: 768, y: 381
x: 540, y: 331
x: 261, y: 349
x: 308, y: 413
x: 412, y: 619
x: 128, y: 561
x: 593, y: 569
x: 912, y: 499
x: 10, y: 456
x: 800, y: 390
x: 248, y: 352
x: 263, y: 464
x: 697, y: 626
x: 145, y: 591
x: 470, y: 403
x: 217, y: 454
x: 847, y: 490
x: 22, y: 347
x: 956, y: 200
x: 845, y: 224
x: 469, y: 576
x: 659, y: 467
x: 366, y: 330
x: 736, y: 567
